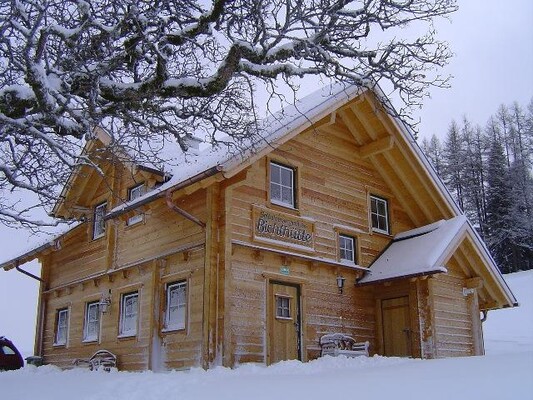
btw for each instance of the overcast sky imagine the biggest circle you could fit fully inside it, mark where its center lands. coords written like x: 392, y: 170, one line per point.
x: 493, y: 45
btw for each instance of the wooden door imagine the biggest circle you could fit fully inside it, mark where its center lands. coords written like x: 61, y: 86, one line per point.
x: 284, y: 322
x: 396, y: 327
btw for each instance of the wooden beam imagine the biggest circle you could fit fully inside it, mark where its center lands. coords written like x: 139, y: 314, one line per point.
x: 351, y: 127
x: 410, y: 187
x: 327, y: 121
x: 425, y: 178
x: 370, y: 130
x: 388, y: 174
x: 462, y: 261
x: 376, y: 147
x: 335, y: 130
x: 492, y: 288
x: 474, y: 283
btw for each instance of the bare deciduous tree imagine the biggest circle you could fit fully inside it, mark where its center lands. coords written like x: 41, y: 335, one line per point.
x: 162, y: 70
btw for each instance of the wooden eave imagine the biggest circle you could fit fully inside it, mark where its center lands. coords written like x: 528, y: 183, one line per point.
x: 75, y: 180
x: 186, y: 187
x: 36, y: 252
x: 84, y: 179
x: 26, y: 257
x: 495, y: 293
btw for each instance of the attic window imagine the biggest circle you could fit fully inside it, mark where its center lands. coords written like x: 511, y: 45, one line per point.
x: 379, y: 213
x: 134, y: 193
x: 98, y: 220
x: 282, y: 185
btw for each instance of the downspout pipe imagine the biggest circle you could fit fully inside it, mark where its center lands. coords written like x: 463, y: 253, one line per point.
x: 38, y: 346
x: 28, y: 273
x: 181, y: 211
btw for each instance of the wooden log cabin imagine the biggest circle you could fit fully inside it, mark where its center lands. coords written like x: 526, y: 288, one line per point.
x: 332, y: 222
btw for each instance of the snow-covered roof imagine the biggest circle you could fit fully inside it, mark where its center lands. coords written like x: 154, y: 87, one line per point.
x: 272, y: 132
x: 30, y: 252
x: 420, y: 251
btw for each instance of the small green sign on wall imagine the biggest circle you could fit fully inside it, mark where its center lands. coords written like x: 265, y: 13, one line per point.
x: 284, y: 270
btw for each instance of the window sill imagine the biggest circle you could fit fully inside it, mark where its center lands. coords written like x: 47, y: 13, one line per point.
x: 347, y: 262
x: 382, y: 233
x: 284, y: 207
x: 89, y: 341
x: 59, y: 345
x: 127, y: 336
x: 284, y: 319
x: 135, y: 223
x: 173, y: 330
x: 95, y: 238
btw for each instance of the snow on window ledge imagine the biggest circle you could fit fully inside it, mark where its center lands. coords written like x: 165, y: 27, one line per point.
x: 173, y: 329
x: 127, y: 335
x: 381, y: 232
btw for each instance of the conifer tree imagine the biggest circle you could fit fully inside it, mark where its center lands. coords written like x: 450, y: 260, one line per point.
x: 498, y: 205
x: 433, y: 150
x: 474, y: 175
x: 453, y: 163
x: 490, y: 174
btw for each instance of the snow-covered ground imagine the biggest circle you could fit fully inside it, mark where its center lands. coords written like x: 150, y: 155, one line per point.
x: 506, y: 372
x: 511, y: 331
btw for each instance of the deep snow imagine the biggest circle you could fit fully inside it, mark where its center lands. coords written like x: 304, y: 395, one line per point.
x: 505, y: 373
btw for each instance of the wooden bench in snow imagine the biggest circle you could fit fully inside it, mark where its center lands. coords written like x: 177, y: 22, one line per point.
x: 102, y: 359
x: 336, y: 344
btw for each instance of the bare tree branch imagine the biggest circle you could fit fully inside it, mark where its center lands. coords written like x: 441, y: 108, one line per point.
x: 146, y: 70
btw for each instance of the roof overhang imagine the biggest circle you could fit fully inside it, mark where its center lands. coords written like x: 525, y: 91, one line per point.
x: 26, y: 256
x: 37, y: 250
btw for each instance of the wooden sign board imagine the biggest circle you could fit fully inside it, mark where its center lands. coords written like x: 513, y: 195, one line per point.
x: 283, y: 229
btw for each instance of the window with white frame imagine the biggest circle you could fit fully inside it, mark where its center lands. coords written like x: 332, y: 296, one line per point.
x: 347, y: 248
x: 379, y: 213
x: 282, y: 185
x: 98, y: 220
x: 134, y: 193
x: 283, y: 307
x: 129, y: 311
x: 61, y: 327
x: 91, y: 328
x: 176, y: 306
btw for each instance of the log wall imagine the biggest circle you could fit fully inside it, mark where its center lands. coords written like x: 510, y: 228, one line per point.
x: 324, y: 309
x: 333, y: 187
x: 144, y: 257
x: 453, y: 327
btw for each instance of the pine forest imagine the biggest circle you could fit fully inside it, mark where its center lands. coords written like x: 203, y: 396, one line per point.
x: 488, y: 171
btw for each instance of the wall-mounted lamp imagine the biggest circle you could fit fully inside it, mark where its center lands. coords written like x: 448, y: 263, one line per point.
x: 105, y: 303
x: 340, y: 283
